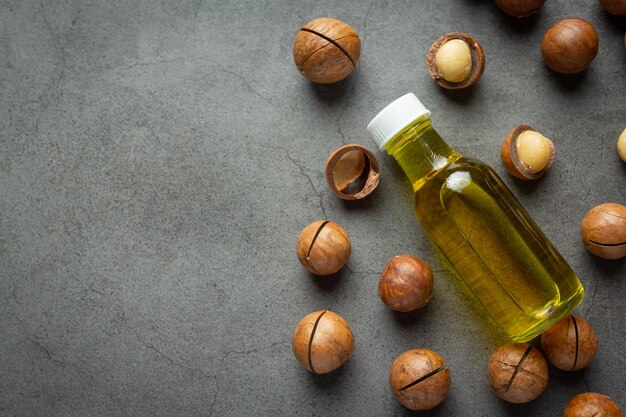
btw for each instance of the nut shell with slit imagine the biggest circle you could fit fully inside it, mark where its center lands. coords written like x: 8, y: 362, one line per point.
x: 518, y: 373
x: 419, y: 379
x: 326, y: 50
x: 322, y: 341
x: 604, y: 231
x: 323, y: 247
x: 571, y: 344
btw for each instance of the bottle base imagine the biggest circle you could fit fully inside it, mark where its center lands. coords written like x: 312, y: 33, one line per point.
x: 561, y: 311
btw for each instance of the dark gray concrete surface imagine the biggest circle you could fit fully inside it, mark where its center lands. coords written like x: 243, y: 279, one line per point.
x: 159, y: 159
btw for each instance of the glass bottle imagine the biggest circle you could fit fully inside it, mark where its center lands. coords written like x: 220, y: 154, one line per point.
x: 478, y: 224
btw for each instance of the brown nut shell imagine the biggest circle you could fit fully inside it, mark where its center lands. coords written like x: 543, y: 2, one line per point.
x: 571, y: 344
x: 478, y: 61
x: 322, y: 341
x: 419, y: 379
x: 326, y: 50
x: 604, y: 231
x: 323, y: 247
x: 511, y: 161
x: 406, y: 283
x: 590, y: 404
x: 352, y: 172
x: 616, y: 7
x: 518, y: 373
x: 520, y: 8
x: 570, y: 45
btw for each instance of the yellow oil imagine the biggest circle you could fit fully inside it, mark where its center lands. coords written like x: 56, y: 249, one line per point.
x: 486, y: 235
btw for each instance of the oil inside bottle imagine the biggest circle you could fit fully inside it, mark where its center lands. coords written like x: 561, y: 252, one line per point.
x: 488, y: 237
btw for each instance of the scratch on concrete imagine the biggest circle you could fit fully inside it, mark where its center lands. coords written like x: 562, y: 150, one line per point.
x: 31, y: 338
x: 251, y: 351
x: 61, y: 69
x: 150, y: 63
x: 243, y: 79
x: 593, y: 295
x: 308, y: 177
x: 365, y: 272
x: 357, y: 76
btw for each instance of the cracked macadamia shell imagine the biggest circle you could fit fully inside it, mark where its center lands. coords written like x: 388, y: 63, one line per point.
x: 518, y: 373
x: 604, y: 231
x: 323, y: 247
x: 477, y: 56
x: 322, y: 341
x: 352, y: 172
x: 512, y: 158
x: 571, y: 344
x: 406, y: 283
x: 326, y: 50
x: 570, y: 45
x: 419, y: 379
x: 590, y: 404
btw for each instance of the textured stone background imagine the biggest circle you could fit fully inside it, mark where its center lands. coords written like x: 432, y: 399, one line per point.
x: 158, y: 160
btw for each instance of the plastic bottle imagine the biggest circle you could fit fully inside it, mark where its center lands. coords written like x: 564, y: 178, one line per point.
x: 481, y: 228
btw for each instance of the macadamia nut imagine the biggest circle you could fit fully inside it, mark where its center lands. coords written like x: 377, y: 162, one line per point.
x: 571, y: 344
x: 454, y: 60
x: 419, y: 379
x: 406, y: 283
x: 533, y: 150
x: 322, y: 341
x: 526, y: 153
x: 323, y: 247
x: 621, y: 146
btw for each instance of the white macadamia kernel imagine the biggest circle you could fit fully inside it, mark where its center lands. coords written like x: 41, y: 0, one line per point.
x: 533, y: 151
x: 454, y: 60
x: 621, y: 146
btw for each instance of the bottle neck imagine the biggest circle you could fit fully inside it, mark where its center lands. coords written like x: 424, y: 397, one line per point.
x: 421, y: 152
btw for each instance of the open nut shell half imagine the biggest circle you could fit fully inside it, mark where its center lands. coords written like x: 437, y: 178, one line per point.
x: 352, y: 172
x: 478, y: 61
x: 510, y: 158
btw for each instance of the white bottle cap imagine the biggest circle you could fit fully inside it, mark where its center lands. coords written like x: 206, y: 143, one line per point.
x: 395, y: 117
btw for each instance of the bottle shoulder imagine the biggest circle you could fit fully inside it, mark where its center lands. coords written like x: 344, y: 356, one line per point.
x: 474, y: 167
x: 460, y: 172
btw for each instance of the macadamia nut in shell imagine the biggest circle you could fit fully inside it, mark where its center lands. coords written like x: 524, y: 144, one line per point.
x: 518, y: 373
x: 570, y: 45
x: 419, y: 379
x: 571, y: 344
x: 591, y: 404
x: 406, y: 283
x: 323, y: 247
x: 604, y: 231
x: 616, y: 7
x: 326, y: 50
x: 456, y: 60
x: 520, y: 8
x: 322, y: 341
x: 526, y: 153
